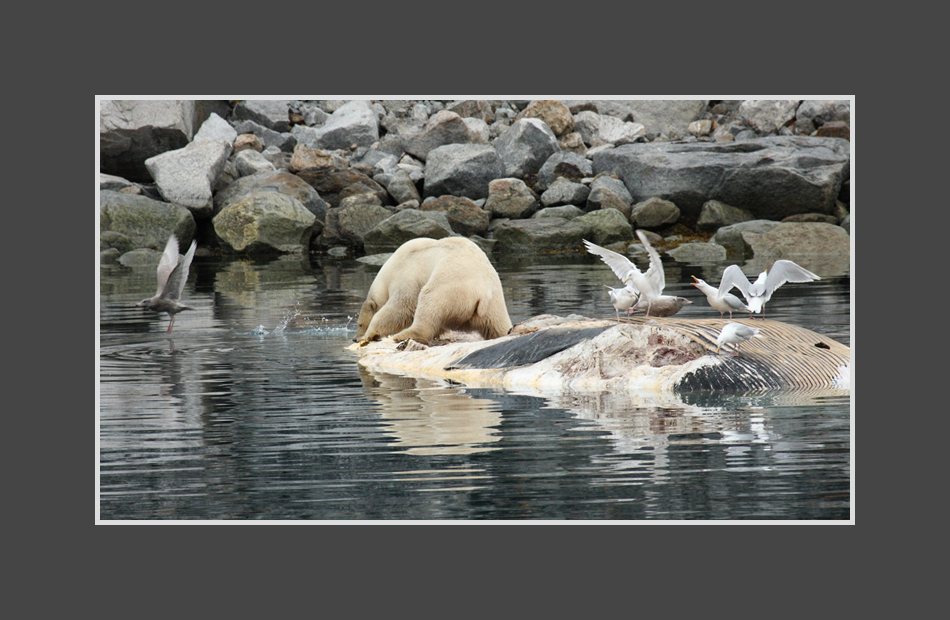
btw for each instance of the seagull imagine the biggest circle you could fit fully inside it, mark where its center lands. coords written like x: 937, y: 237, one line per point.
x: 649, y: 285
x: 721, y: 300
x: 172, y: 274
x: 759, y: 292
x: 666, y: 305
x: 737, y: 333
x: 622, y: 298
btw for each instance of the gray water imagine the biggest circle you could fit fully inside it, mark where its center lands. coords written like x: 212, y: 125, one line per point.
x: 253, y: 409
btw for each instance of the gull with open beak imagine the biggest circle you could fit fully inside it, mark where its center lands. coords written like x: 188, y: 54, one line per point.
x: 720, y: 300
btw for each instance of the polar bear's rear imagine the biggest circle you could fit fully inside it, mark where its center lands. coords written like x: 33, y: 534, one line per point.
x: 430, y: 286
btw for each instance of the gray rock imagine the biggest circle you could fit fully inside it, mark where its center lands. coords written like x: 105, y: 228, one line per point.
x: 607, y: 226
x: 567, y: 212
x: 654, y: 213
x: 511, y: 198
x: 612, y: 183
x: 185, y: 176
x: 216, y: 128
x: 819, y: 112
x: 442, y: 128
x: 698, y: 253
x: 546, y: 234
x: 131, y: 131
x: 271, y: 113
x: 265, y: 222
x: 791, y: 240
x: 563, y: 191
x: 112, y: 182
x: 587, y: 124
x: 768, y: 115
x: 349, y: 223
x: 732, y: 237
x: 407, y: 224
x: 283, y: 141
x: 400, y: 186
x: 335, y: 184
x: 465, y: 217
x: 615, y: 131
x: 462, y: 170
x: 715, y: 215
x: 563, y: 160
x: 658, y: 117
x: 144, y: 222
x: 525, y: 146
x: 353, y: 123
x: 770, y: 177
x: 249, y: 161
x: 280, y: 182
x: 603, y: 198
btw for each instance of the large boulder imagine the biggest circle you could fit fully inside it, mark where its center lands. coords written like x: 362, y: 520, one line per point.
x: 407, y: 224
x: 771, y: 177
x: 131, y: 131
x: 607, y: 226
x: 462, y: 170
x: 334, y: 184
x: 141, y: 222
x: 186, y: 176
x: 768, y: 115
x: 281, y: 182
x: 271, y: 113
x: 732, y: 237
x: 525, y: 146
x: 265, y: 222
x: 444, y: 127
x: 544, y: 234
x: 349, y: 223
x: 563, y: 164
x: 465, y: 217
x: 353, y: 123
x: 511, y: 198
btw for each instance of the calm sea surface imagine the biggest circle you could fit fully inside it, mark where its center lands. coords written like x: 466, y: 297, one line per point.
x: 253, y: 409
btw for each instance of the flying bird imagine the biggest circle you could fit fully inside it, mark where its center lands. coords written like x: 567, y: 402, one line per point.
x: 622, y: 298
x: 720, y: 299
x: 758, y: 293
x: 736, y: 333
x: 172, y: 274
x: 649, y: 285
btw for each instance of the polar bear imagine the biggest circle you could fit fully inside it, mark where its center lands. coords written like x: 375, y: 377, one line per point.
x: 429, y: 286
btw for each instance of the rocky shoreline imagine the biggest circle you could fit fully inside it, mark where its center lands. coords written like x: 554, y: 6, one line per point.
x: 707, y: 180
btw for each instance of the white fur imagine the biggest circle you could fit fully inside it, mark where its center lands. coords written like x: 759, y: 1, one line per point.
x: 430, y: 286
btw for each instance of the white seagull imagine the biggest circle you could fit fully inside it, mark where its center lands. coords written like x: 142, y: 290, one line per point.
x: 172, y: 274
x: 758, y: 293
x: 622, y: 298
x: 649, y: 285
x: 736, y: 333
x: 721, y: 300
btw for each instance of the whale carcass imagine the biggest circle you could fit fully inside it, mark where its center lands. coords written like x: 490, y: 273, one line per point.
x: 660, y: 354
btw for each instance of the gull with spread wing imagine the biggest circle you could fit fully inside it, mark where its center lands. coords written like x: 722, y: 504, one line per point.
x: 758, y: 293
x: 649, y: 285
x: 172, y: 274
